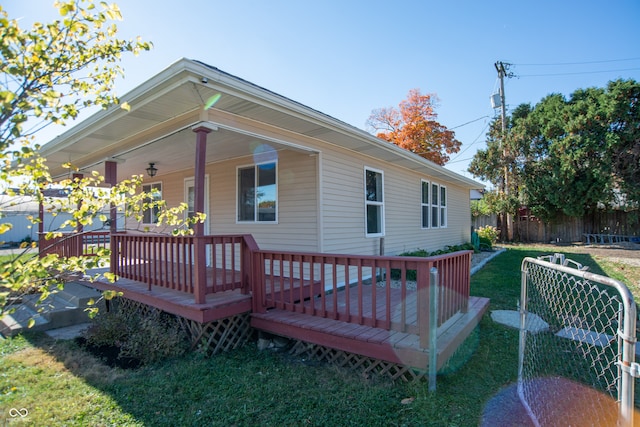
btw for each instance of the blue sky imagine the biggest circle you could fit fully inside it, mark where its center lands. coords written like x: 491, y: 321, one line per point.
x: 347, y: 58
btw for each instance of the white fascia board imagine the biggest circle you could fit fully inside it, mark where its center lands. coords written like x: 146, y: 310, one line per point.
x: 112, y: 113
x: 288, y: 106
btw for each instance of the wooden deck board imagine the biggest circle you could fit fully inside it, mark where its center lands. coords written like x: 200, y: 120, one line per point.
x: 217, y: 306
x: 392, y: 346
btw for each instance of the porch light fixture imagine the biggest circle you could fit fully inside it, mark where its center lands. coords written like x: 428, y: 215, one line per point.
x: 151, y: 170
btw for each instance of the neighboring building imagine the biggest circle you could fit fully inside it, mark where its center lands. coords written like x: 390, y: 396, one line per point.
x: 22, y: 211
x: 292, y: 177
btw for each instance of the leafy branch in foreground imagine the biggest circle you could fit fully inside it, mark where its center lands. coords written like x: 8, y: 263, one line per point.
x: 49, y: 73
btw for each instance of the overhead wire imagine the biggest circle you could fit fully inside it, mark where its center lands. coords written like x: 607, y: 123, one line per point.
x: 468, y: 123
x: 580, y: 63
x: 578, y: 73
x: 571, y: 73
x: 458, y: 154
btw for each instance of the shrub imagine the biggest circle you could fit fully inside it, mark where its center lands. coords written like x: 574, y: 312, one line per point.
x: 412, y: 274
x: 489, y: 233
x: 148, y: 338
x: 485, y: 243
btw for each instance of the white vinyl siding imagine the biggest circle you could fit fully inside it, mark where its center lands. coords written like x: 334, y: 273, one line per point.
x: 334, y: 221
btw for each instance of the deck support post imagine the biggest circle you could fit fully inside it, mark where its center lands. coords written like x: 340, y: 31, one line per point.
x: 111, y: 178
x: 200, y: 263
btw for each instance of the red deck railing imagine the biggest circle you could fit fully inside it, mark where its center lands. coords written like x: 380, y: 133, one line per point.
x: 172, y: 262
x: 74, y: 244
x: 377, y: 291
x: 387, y: 292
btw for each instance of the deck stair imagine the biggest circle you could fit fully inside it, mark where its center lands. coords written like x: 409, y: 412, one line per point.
x: 65, y: 307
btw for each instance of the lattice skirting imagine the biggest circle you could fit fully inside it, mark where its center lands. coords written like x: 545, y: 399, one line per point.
x: 363, y: 364
x: 128, y: 305
x: 220, y: 335
x: 211, y: 338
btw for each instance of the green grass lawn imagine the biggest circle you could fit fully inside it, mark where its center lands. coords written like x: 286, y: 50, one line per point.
x: 61, y: 385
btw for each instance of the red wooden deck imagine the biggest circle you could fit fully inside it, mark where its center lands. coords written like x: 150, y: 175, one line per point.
x: 217, y: 306
x: 380, y: 313
x: 391, y: 345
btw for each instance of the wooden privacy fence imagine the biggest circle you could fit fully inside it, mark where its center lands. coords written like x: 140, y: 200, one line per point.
x: 74, y: 243
x: 173, y: 262
x: 564, y: 228
x: 386, y: 292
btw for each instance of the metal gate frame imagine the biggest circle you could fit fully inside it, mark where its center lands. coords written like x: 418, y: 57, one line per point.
x: 557, y: 265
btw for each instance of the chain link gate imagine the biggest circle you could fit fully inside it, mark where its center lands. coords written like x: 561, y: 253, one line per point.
x: 577, y: 345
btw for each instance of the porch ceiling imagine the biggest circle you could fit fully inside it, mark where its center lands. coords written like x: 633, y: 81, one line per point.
x: 165, y: 108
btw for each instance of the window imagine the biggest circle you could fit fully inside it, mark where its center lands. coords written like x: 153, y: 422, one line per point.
x: 257, y: 193
x: 434, y: 200
x: 374, y: 203
x: 425, y: 204
x: 434, y: 206
x: 443, y: 206
x: 150, y: 216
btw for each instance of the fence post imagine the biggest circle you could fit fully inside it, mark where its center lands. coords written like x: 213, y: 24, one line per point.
x: 433, y: 327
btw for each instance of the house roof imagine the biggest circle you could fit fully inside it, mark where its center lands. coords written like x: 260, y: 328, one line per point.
x: 166, y: 107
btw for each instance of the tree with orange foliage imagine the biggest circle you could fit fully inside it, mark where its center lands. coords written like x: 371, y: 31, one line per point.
x: 414, y: 127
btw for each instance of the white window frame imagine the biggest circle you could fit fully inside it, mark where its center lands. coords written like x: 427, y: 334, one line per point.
x: 153, y: 214
x: 379, y: 204
x: 424, y: 205
x: 443, y: 211
x: 255, y: 185
x: 434, y: 199
x: 438, y: 205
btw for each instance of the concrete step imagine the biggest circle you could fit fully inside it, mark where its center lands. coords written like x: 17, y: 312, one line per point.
x: 63, y: 308
x: 72, y: 295
x: 18, y: 321
x: 78, y: 294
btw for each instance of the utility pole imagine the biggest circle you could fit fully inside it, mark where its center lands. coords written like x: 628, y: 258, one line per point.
x: 501, y: 68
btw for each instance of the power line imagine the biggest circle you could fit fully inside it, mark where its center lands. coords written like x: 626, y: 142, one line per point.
x: 580, y: 63
x: 467, y: 123
x: 458, y: 154
x: 578, y: 72
x: 458, y: 161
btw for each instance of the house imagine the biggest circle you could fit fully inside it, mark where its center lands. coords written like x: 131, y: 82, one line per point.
x: 277, y: 179
x: 20, y: 211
